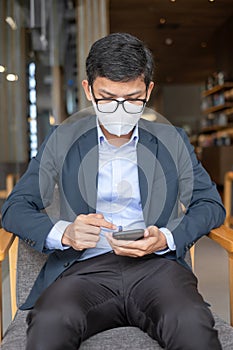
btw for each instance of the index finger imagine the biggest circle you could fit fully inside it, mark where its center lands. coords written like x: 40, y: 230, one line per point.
x: 100, y: 222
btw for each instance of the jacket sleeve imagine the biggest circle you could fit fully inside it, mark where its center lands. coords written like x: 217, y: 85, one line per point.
x: 22, y: 211
x: 202, y: 204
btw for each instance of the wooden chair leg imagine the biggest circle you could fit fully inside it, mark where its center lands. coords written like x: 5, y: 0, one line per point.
x: 13, y: 253
x: 192, y: 255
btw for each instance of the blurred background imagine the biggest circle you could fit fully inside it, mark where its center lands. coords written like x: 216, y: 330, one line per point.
x: 44, y: 44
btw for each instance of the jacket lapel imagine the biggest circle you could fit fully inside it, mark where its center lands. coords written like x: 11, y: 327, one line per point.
x: 147, y: 161
x: 88, y: 170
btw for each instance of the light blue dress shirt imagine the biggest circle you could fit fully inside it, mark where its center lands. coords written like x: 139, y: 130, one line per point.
x: 118, y: 195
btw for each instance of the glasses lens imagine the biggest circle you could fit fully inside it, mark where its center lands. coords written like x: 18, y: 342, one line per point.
x: 105, y: 106
x: 134, y: 106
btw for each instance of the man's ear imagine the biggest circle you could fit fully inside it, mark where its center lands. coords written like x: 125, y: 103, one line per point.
x: 86, y: 89
x: 149, y: 90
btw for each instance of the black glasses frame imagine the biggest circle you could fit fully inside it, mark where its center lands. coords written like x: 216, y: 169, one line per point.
x: 143, y: 100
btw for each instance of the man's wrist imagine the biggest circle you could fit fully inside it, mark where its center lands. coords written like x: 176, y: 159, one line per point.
x: 169, y: 237
x: 54, y: 238
x: 169, y: 241
x: 65, y: 240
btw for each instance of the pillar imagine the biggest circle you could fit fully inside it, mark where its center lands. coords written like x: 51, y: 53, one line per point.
x: 58, y: 90
x: 92, y: 20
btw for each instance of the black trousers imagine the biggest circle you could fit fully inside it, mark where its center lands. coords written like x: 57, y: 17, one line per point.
x: 153, y: 293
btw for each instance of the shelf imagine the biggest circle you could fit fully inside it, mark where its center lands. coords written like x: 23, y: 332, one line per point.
x: 213, y: 149
x: 213, y: 128
x: 218, y: 108
x: 217, y: 88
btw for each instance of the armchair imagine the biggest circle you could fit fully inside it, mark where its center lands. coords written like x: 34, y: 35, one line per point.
x: 28, y: 266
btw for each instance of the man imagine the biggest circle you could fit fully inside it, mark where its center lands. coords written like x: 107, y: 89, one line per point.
x: 116, y: 171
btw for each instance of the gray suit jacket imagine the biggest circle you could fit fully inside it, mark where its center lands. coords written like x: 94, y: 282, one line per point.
x: 176, y: 191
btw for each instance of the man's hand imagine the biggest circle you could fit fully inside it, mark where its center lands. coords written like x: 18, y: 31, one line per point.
x: 154, y: 240
x: 85, y: 230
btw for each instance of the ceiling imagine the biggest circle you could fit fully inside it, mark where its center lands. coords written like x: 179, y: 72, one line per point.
x: 190, y: 27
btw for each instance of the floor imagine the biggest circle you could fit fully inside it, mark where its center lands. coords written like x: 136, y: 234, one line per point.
x: 211, y: 268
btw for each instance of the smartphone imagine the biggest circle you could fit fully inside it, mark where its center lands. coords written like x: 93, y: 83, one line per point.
x: 130, y: 235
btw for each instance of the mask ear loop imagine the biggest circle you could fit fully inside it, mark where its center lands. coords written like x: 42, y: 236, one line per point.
x: 92, y: 97
x: 93, y: 102
x: 90, y: 90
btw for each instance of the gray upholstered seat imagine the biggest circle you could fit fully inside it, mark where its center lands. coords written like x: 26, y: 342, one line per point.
x: 29, y: 264
x: 114, y: 339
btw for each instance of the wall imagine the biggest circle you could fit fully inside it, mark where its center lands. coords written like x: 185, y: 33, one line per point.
x: 223, y: 39
x: 181, y: 105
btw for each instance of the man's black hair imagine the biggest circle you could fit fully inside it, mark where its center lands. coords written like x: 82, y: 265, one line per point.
x: 119, y: 57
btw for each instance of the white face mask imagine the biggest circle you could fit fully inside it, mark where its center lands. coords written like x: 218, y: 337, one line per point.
x: 119, y: 122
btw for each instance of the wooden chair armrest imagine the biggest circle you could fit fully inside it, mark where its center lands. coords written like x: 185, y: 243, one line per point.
x: 223, y: 235
x: 8, y: 246
x: 6, y: 241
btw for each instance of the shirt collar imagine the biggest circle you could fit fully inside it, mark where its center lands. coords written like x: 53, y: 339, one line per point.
x: 102, y: 139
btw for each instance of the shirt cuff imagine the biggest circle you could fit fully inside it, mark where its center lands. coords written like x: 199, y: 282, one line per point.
x: 53, y: 240
x: 170, y: 241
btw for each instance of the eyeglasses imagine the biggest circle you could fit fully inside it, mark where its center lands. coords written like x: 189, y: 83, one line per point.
x: 110, y: 105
